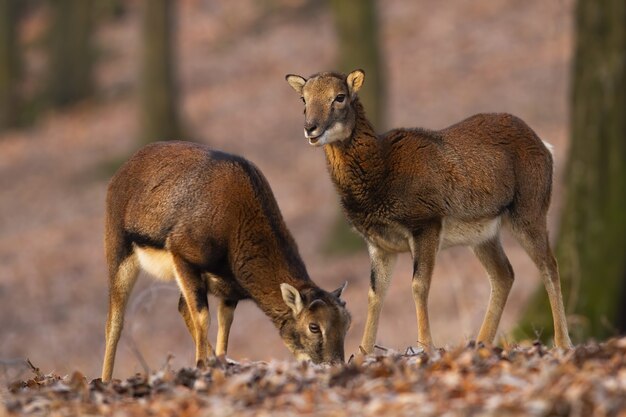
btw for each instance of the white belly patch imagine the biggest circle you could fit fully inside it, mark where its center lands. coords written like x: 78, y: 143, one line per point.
x: 158, y: 263
x: 467, y: 233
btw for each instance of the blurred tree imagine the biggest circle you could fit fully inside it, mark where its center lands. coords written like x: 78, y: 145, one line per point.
x: 356, y: 23
x: 70, y: 51
x: 110, y: 9
x: 9, y: 63
x: 592, y: 240
x: 159, y: 95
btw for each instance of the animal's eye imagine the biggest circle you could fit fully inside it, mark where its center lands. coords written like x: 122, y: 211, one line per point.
x: 340, y: 98
x: 314, y: 328
x: 302, y: 98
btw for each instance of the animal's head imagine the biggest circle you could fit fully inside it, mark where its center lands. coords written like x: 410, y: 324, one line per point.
x: 328, y: 112
x: 319, y: 326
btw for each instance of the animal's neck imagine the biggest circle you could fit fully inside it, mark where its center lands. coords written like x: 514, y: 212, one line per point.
x: 357, y: 163
x: 265, y: 264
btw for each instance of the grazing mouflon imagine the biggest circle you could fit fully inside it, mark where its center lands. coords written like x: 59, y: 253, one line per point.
x: 209, y: 221
x: 419, y: 191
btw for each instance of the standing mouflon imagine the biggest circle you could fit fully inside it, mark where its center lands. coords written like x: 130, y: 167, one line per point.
x: 418, y: 191
x: 209, y: 221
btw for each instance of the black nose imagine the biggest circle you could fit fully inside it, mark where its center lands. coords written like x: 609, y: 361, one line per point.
x: 310, y: 128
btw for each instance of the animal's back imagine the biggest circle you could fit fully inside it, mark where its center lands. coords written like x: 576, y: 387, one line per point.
x: 177, y: 185
x: 473, y: 169
x: 509, y: 156
x: 212, y: 209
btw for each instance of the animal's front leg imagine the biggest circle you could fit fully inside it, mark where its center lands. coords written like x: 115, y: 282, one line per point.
x: 424, y: 247
x: 382, y: 265
x: 184, y: 312
x: 195, y: 308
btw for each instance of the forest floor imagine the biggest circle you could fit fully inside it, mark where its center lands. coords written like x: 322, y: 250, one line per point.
x: 526, y: 380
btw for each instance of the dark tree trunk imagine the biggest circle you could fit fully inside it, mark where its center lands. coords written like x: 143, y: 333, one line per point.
x: 9, y: 64
x: 592, y: 239
x: 621, y: 315
x: 356, y: 23
x: 159, y: 96
x: 71, y: 54
x: 110, y: 9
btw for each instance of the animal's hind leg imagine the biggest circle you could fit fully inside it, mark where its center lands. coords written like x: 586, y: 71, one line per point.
x: 184, y: 312
x: 225, y: 314
x: 533, y: 236
x: 121, y: 282
x: 500, y: 272
x: 424, y: 247
x: 195, y: 310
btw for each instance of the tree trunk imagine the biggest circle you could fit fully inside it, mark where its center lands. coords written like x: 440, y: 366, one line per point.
x: 356, y: 22
x: 110, y: 9
x: 9, y: 64
x: 159, y: 96
x: 592, y: 238
x: 71, y: 54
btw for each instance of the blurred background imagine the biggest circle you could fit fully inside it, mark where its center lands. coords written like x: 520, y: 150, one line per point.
x: 83, y: 84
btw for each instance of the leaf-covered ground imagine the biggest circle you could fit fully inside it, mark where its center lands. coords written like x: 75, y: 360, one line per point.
x: 470, y: 381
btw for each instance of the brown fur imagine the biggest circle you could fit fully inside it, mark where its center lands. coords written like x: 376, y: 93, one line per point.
x: 419, y: 190
x: 209, y: 220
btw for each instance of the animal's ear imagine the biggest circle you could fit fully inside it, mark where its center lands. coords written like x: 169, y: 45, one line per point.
x: 337, y: 293
x: 355, y: 81
x: 292, y: 298
x: 296, y: 82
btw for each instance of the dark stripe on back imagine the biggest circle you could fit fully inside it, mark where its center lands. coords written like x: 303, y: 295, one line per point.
x: 272, y: 213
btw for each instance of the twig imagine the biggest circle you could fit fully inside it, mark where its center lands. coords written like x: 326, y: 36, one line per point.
x: 166, y: 366
x: 148, y: 292
x: 133, y: 348
x: 422, y: 345
x: 33, y: 368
